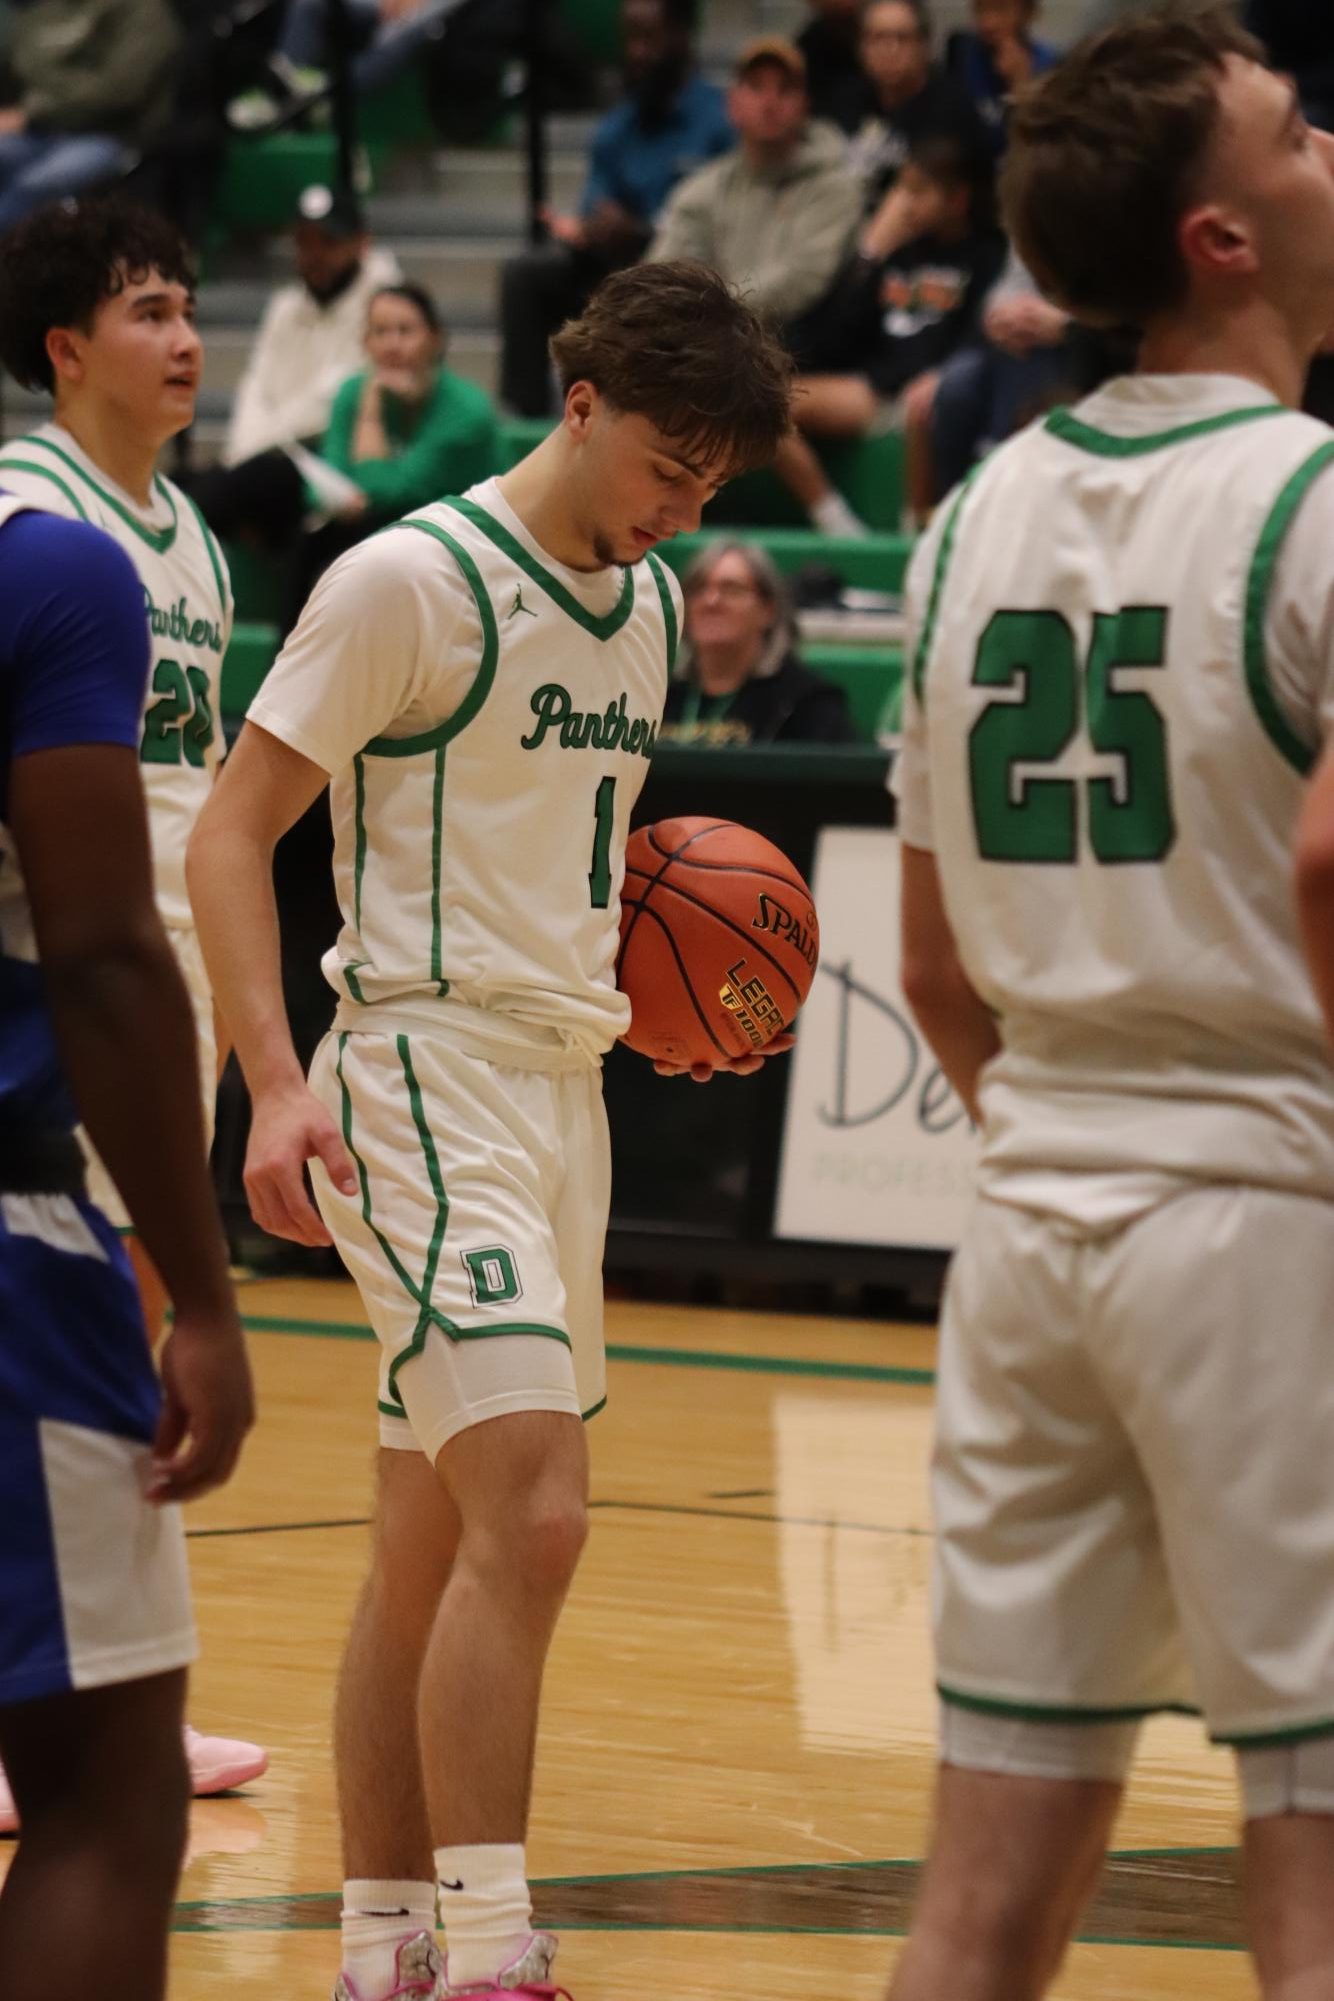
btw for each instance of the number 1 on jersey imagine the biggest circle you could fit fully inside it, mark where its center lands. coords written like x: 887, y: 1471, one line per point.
x: 604, y: 814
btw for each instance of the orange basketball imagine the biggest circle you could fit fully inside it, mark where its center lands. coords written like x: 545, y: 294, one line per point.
x: 719, y: 941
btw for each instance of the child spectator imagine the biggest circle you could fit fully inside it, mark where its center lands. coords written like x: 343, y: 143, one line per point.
x: 913, y: 295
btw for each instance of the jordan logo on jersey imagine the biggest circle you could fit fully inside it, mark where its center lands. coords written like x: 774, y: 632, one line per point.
x: 519, y: 605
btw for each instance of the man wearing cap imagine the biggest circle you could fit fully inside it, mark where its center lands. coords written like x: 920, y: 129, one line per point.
x: 776, y: 215
x: 309, y: 340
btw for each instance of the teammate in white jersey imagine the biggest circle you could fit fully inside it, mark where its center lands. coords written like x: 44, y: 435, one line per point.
x: 1123, y: 675
x: 97, y: 308
x: 483, y: 684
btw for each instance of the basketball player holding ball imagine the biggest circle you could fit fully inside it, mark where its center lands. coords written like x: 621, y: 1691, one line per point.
x: 482, y: 684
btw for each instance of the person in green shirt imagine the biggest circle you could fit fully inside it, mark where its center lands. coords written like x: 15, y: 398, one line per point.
x: 403, y: 431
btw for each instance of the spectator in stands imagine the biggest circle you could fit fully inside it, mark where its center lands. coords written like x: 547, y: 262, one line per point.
x: 386, y: 33
x: 1020, y: 365
x: 836, y: 82
x: 669, y: 122
x: 914, y: 97
x: 95, y: 80
x: 777, y: 215
x: 403, y: 430
x: 738, y: 678
x: 913, y: 296
x: 310, y: 337
x: 997, y: 56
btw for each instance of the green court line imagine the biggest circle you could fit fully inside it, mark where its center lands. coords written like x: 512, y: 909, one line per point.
x: 257, y: 1903
x: 671, y: 1358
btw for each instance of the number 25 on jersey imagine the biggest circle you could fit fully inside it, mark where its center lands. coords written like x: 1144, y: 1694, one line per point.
x: 1020, y: 817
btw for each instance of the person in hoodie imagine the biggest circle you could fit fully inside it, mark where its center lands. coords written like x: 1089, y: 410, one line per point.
x: 777, y: 215
x: 95, y: 80
x: 670, y: 120
x: 738, y: 677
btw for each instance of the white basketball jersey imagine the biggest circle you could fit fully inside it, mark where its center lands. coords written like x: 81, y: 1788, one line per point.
x: 1114, y: 785
x: 188, y: 602
x: 479, y: 862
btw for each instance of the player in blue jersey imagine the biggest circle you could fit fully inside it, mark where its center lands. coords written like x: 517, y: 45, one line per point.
x: 95, y: 1025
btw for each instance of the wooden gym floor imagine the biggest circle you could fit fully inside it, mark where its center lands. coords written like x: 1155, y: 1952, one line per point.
x: 736, y: 1753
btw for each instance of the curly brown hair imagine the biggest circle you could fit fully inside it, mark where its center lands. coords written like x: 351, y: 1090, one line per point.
x: 675, y: 343
x: 1103, y: 156
x: 59, y: 265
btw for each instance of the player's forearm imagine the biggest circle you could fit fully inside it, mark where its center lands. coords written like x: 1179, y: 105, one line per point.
x: 960, y: 1029
x: 127, y: 1041
x: 230, y: 878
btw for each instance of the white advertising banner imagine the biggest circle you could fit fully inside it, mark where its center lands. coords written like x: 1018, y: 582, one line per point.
x: 877, y: 1148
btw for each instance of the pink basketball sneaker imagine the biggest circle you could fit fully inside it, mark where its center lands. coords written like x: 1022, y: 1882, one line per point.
x: 9, y: 1813
x: 219, y: 1763
x: 417, y: 1972
x: 524, y: 1979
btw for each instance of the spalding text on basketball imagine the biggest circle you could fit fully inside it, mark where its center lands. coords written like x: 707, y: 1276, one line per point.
x: 582, y: 729
x: 753, y: 1005
x: 776, y: 917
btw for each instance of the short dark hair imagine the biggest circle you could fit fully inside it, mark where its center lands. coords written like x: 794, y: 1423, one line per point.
x: 954, y: 161
x: 416, y: 295
x: 60, y: 264
x: 1103, y: 156
x: 675, y: 343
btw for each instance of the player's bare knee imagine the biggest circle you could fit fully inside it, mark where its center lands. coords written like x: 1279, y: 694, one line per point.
x: 549, y: 1539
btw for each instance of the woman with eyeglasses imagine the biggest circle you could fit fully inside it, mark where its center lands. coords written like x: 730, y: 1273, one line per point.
x: 738, y: 677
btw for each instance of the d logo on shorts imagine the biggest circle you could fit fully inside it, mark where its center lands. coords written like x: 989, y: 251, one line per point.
x: 492, y: 1275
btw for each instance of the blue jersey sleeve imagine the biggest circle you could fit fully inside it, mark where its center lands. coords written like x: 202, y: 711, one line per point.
x: 74, y: 645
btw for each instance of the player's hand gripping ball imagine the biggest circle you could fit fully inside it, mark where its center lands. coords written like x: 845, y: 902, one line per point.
x: 719, y: 941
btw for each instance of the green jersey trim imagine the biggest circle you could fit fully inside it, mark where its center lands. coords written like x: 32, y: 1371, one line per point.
x: 457, y: 1333
x: 600, y: 1405
x: 1257, y: 1740
x: 391, y: 1256
x: 437, y: 849
x: 45, y: 472
x: 604, y: 627
x: 1258, y: 586
x: 157, y: 539
x: 668, y: 608
x: 1073, y: 430
x: 413, y: 746
x: 214, y: 555
x: 1036, y: 1712
x: 943, y: 555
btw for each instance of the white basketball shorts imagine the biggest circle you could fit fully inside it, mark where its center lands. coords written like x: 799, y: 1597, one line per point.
x: 1132, y: 1478
x: 477, y: 1233
x: 185, y: 943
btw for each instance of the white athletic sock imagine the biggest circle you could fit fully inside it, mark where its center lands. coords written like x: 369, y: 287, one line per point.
x: 485, y: 1909
x: 378, y: 1915
x: 832, y: 514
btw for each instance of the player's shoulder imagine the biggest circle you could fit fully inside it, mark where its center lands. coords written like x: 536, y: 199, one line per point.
x: 36, y: 542
x: 36, y: 469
